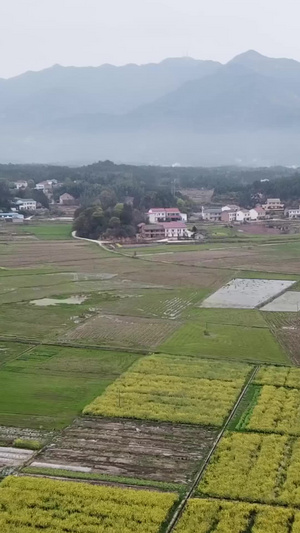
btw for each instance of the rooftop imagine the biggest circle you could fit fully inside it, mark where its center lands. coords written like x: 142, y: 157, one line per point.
x: 164, y: 209
x: 173, y: 225
x: 212, y: 210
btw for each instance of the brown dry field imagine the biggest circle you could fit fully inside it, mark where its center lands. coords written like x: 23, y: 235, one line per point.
x: 53, y: 253
x: 286, y: 328
x: 257, y: 258
x: 83, y: 258
x: 145, y: 450
x: 123, y: 331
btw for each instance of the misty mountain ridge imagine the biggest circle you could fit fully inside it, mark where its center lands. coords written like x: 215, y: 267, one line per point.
x: 182, y: 109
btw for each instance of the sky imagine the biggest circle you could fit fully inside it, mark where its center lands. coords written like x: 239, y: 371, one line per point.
x: 35, y: 34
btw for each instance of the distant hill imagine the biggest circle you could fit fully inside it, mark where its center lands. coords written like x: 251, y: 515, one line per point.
x: 181, y: 110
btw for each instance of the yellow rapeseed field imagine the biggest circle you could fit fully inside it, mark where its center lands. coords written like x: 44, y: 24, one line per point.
x: 31, y: 504
x: 277, y: 410
x: 175, y: 389
x: 204, y: 516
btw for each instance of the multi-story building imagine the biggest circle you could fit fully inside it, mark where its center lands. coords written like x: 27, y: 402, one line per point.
x: 161, y: 214
x: 243, y: 215
x: 164, y: 230
x: 228, y: 216
x: 293, y: 212
x: 25, y: 204
x: 213, y: 214
x: 273, y: 204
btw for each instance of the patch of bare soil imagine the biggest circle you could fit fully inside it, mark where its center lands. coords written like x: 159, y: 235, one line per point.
x: 137, y: 449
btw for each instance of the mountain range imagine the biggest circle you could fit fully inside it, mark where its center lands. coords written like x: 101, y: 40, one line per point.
x: 181, y: 110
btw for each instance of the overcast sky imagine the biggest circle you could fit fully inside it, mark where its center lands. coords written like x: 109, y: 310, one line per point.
x: 36, y: 34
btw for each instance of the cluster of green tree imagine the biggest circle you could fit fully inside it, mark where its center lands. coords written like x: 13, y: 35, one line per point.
x: 107, y: 221
x: 150, y: 186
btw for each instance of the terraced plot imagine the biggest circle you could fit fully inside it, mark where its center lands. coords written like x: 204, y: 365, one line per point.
x: 35, y: 504
x: 113, y: 330
x: 173, y: 389
x: 113, y: 447
x: 255, y: 467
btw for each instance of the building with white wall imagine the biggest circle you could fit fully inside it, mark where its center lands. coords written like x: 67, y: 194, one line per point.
x: 161, y: 214
x: 27, y: 204
x: 21, y: 184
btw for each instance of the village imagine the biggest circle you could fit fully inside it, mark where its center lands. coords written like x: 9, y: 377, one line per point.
x: 170, y: 224
x: 161, y: 224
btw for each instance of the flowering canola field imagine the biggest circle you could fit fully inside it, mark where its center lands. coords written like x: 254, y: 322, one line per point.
x: 30, y: 504
x: 205, y: 516
x: 174, y: 389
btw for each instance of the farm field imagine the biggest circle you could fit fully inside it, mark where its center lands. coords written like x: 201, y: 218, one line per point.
x: 286, y: 328
x: 129, y: 449
x: 287, y: 302
x: 225, y: 342
x: 118, y: 418
x: 246, y: 293
x: 277, y: 411
x: 255, y: 467
x: 173, y: 390
x: 249, y: 318
x: 251, y: 255
x: 45, y: 388
x: 122, y: 331
x: 31, y: 505
x: 234, y: 517
x: 154, y: 303
x: 47, y: 231
x: 9, y: 351
x: 283, y: 376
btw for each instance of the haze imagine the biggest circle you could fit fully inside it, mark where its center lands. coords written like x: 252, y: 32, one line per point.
x: 39, y: 33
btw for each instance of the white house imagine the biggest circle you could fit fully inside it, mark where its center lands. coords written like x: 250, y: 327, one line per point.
x: 230, y: 207
x: 213, y: 214
x: 257, y: 213
x: 44, y: 185
x: 273, y: 204
x: 293, y: 212
x: 174, y: 230
x: 242, y: 215
x: 26, y: 204
x: 161, y: 214
x: 21, y: 184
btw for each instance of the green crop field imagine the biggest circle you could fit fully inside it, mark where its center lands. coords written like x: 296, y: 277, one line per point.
x: 48, y: 386
x: 11, y: 350
x: 48, y: 231
x: 225, y: 341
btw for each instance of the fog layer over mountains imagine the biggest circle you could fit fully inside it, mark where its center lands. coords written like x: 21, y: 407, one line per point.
x: 179, y: 111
